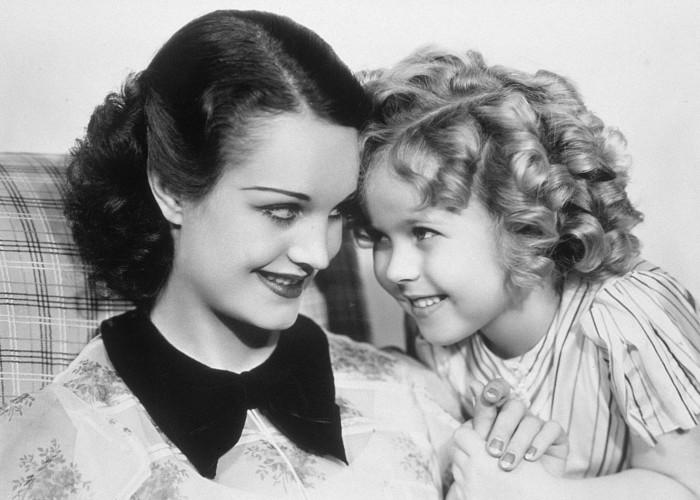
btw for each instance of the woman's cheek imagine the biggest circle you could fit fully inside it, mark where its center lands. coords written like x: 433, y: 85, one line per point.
x: 334, y: 238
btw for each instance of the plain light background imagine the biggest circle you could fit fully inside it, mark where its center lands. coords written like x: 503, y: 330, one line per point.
x: 637, y: 64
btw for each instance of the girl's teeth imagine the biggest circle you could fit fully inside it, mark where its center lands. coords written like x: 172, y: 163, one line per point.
x: 426, y: 301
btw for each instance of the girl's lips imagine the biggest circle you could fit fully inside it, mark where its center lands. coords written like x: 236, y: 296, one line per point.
x: 283, y: 285
x: 422, y: 307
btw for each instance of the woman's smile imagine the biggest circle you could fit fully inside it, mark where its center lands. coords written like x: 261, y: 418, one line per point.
x: 284, y: 285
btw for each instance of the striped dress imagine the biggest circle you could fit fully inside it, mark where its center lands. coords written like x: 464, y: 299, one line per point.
x: 621, y: 356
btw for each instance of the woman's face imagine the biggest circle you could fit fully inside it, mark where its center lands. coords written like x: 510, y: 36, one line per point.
x: 248, y: 250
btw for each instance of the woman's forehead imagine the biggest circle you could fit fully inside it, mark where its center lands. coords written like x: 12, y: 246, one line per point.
x: 301, y: 153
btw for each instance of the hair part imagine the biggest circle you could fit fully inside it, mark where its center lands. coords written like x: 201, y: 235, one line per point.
x: 548, y: 171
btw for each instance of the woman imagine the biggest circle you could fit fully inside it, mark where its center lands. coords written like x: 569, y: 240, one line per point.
x: 209, y: 191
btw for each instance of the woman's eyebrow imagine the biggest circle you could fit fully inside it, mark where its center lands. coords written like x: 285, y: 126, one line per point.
x: 293, y: 194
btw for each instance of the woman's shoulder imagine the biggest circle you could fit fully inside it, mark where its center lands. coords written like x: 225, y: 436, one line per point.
x: 361, y: 360
x: 50, y: 440
x: 378, y: 370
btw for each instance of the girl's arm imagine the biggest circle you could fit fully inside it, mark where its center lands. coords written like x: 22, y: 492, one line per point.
x: 669, y: 470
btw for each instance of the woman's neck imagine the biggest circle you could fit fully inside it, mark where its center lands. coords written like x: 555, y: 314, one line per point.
x: 526, y: 322
x: 216, y: 341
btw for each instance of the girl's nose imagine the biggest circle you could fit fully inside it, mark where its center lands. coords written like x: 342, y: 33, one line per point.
x: 403, y: 265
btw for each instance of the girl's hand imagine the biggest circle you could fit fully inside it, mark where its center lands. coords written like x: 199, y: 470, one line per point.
x: 503, y: 428
x: 477, y: 476
x: 512, y: 433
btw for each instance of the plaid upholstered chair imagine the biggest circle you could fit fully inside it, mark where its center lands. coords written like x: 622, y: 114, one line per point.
x: 47, y: 310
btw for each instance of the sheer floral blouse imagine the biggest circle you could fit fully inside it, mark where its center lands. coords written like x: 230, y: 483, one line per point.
x: 620, y: 357
x: 86, y: 435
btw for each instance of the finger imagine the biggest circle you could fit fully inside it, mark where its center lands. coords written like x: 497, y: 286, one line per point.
x: 496, y: 392
x: 551, y: 439
x: 528, y: 429
x: 460, y: 465
x: 460, y: 470
x: 486, y: 400
x: 467, y: 440
x: 504, y: 427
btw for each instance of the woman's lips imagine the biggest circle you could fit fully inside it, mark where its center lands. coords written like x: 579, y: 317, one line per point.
x: 283, y: 285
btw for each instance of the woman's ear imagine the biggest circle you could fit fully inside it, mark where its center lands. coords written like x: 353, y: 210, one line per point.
x: 169, y: 204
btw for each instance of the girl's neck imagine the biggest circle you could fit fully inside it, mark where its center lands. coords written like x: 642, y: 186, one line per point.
x: 521, y: 327
x: 217, y: 342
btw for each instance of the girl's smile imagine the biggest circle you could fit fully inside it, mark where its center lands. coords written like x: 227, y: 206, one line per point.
x: 424, y: 305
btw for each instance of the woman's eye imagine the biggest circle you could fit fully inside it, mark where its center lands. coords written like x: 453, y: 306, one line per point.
x: 347, y: 210
x: 283, y: 214
x: 423, y: 233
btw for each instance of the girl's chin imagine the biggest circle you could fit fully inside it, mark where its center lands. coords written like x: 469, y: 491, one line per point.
x: 442, y: 337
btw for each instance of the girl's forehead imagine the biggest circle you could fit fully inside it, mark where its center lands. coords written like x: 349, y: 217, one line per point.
x: 384, y: 189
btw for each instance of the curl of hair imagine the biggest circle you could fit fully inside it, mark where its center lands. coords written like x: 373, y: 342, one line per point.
x: 192, y: 112
x: 550, y: 173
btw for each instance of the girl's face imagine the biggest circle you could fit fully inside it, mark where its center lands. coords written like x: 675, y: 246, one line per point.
x: 440, y: 265
x: 248, y: 250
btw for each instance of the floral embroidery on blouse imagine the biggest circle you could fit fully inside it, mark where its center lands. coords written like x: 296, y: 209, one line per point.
x: 164, y: 482
x: 353, y: 357
x: 16, y: 405
x: 95, y: 383
x: 271, y: 465
x: 413, y: 460
x: 347, y: 409
x: 48, y: 476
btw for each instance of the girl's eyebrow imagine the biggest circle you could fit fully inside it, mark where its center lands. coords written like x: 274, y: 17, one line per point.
x: 293, y: 194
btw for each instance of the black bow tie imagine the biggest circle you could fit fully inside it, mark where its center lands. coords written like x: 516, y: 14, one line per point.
x: 203, y: 410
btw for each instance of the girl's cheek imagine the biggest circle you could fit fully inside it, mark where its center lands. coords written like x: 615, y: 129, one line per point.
x: 380, y: 264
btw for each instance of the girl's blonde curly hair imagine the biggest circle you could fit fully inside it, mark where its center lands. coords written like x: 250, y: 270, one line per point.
x: 548, y: 170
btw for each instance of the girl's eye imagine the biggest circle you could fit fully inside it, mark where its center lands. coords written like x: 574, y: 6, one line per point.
x: 282, y: 214
x: 423, y: 233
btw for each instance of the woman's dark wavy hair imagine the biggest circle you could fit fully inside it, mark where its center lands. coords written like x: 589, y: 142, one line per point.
x: 549, y: 172
x: 187, y: 114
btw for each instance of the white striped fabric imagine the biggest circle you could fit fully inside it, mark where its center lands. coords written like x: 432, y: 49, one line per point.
x: 620, y: 356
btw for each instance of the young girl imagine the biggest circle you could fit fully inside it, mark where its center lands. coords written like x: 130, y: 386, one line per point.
x: 499, y: 221
x: 209, y: 192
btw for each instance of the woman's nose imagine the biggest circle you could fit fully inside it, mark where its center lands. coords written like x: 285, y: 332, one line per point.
x: 314, y: 245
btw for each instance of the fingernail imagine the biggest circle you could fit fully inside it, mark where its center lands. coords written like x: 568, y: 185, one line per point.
x: 493, y: 394
x: 530, y: 453
x: 508, y: 460
x: 495, y: 447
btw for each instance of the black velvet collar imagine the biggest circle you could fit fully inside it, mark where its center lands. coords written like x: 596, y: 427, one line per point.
x: 203, y: 410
